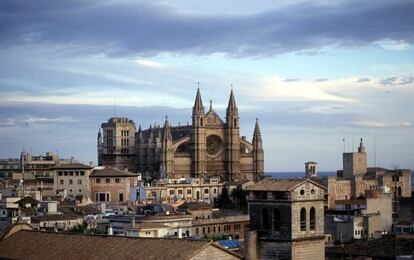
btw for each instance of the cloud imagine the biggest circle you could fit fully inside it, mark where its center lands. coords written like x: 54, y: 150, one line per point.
x: 150, y: 64
x: 380, y: 124
x: 146, y: 28
x: 362, y: 80
x: 397, y: 81
x: 394, y: 45
x: 275, y: 88
x: 33, y: 120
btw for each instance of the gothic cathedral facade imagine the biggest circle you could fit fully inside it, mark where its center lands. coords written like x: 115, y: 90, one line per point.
x: 209, y: 147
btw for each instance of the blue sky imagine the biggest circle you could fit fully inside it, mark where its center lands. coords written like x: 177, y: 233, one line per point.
x: 313, y: 72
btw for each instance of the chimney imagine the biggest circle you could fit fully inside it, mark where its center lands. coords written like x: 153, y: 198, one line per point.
x: 110, y: 230
x: 250, y: 245
x: 133, y: 221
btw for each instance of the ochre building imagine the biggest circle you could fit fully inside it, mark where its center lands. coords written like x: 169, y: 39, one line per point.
x: 209, y: 147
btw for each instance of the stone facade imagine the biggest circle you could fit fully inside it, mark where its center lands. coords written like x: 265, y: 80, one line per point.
x: 209, y: 147
x: 111, y: 185
x: 74, y: 178
x: 288, y: 216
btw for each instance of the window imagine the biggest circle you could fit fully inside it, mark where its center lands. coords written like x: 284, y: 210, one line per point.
x: 70, y: 173
x: 77, y: 173
x: 180, y: 192
x: 121, y: 197
x: 82, y: 173
x: 189, y: 192
x: 70, y: 181
x: 80, y: 190
x: 116, y: 180
x: 312, y: 191
x: 98, y: 180
x: 107, y: 180
x: 65, y: 173
x: 60, y: 173
x: 265, y: 219
x: 312, y: 217
x: 62, y: 182
x: 79, y: 181
x: 197, y: 231
x: 302, y: 192
x: 205, y: 191
x: 214, y: 190
x: 70, y: 191
x: 399, y: 191
x: 171, y: 192
x: 303, y: 219
x: 276, y: 219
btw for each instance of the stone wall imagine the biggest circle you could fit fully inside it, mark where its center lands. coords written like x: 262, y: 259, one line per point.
x: 309, y: 250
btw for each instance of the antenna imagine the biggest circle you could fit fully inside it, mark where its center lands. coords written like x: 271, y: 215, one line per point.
x: 375, y: 153
x: 115, y: 106
x: 343, y: 140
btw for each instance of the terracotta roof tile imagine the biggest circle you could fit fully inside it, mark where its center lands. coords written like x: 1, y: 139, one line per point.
x: 107, y: 171
x: 48, y: 245
x: 279, y: 184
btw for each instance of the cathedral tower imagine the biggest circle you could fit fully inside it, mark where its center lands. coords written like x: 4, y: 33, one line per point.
x: 258, y: 153
x: 198, y: 138
x: 232, y: 139
x: 167, y: 158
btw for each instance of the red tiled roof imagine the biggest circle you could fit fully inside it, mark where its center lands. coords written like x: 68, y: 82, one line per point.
x: 107, y: 171
x: 48, y: 245
x: 280, y: 184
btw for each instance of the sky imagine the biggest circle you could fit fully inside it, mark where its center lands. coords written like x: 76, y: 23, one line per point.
x: 319, y: 75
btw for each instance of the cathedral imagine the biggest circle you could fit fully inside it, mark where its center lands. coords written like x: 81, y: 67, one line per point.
x: 209, y: 147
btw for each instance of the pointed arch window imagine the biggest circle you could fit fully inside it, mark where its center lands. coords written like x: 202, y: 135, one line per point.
x: 312, y: 219
x: 265, y: 219
x: 399, y: 191
x: 276, y: 220
x: 303, y: 219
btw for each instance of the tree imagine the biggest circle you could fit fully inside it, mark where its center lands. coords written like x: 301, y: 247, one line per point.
x: 223, y: 200
x: 240, y: 197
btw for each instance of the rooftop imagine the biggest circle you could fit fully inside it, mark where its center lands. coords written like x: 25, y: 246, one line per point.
x: 280, y: 184
x: 48, y: 245
x: 107, y: 171
x: 195, y: 205
x: 70, y: 166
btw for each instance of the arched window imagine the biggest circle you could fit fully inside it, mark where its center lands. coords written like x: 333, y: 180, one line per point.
x: 312, y: 219
x: 399, y: 191
x: 276, y: 219
x: 303, y: 219
x: 265, y: 219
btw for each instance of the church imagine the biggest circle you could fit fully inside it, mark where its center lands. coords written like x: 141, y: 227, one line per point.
x: 209, y: 147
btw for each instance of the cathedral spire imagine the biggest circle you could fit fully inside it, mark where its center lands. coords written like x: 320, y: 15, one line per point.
x: 167, y: 130
x: 257, y: 135
x: 198, y: 104
x: 232, y: 107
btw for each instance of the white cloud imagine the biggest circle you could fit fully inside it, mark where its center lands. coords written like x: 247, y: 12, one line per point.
x: 275, y: 88
x: 150, y: 64
x: 393, y: 45
x: 380, y: 124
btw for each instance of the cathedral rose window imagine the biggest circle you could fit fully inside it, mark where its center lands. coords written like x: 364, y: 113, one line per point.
x: 213, y: 144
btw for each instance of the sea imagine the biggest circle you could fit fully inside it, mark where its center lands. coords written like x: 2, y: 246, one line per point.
x: 323, y: 173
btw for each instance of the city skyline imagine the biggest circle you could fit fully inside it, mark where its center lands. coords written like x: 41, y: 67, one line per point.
x: 314, y: 73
